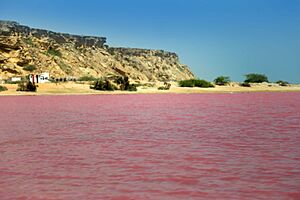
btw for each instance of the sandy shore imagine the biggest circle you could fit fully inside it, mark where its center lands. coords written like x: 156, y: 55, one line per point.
x: 78, y: 88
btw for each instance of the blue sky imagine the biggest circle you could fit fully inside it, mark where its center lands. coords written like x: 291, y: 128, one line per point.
x: 213, y: 37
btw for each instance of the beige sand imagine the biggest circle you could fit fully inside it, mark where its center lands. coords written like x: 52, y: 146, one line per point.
x: 78, y: 88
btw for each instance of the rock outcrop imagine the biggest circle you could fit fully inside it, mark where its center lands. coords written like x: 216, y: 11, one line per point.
x: 66, y: 55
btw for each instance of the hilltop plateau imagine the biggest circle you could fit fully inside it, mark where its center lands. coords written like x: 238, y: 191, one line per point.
x: 25, y: 50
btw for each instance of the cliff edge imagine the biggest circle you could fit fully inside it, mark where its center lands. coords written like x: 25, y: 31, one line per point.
x: 24, y: 50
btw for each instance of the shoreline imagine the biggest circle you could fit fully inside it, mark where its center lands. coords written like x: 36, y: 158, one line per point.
x: 71, y: 88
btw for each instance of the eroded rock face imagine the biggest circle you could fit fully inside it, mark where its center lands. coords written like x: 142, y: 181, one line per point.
x: 155, y: 64
x: 9, y: 28
x: 66, y: 55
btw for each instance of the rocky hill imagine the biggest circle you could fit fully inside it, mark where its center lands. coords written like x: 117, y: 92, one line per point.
x: 24, y: 49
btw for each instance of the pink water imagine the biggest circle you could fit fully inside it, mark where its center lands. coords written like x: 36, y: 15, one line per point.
x: 170, y: 146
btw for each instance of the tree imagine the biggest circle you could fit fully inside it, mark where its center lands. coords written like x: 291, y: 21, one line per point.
x: 195, y: 83
x: 102, y: 85
x: 222, y: 80
x: 256, y: 78
x: 245, y: 84
x: 27, y: 87
x: 282, y: 83
x: 165, y: 87
x: 114, y: 83
x: 2, y: 88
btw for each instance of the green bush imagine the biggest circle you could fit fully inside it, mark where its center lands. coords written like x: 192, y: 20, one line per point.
x: 282, y: 83
x: 245, y: 84
x: 113, y: 83
x: 195, y: 83
x: 124, y: 83
x: 165, y: 87
x: 162, y: 88
x: 54, y: 52
x: 222, y: 80
x: 256, y: 78
x: 27, y: 87
x: 131, y: 87
x: 2, y: 88
x: 28, y: 41
x: 103, y: 85
x: 121, y: 81
x: 87, y: 78
x: 187, y: 83
x: 29, y: 68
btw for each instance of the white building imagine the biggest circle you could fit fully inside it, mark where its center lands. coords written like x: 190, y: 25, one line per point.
x: 15, y: 79
x: 39, y: 78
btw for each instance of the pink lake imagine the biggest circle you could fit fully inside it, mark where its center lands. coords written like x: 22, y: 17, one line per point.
x: 155, y: 146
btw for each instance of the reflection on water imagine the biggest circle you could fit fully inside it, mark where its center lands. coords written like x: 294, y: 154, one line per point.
x: 171, y: 146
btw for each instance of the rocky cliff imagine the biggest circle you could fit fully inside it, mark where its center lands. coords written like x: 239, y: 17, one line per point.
x: 23, y: 49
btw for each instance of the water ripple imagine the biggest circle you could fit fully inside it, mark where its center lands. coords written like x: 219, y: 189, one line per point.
x: 174, y: 146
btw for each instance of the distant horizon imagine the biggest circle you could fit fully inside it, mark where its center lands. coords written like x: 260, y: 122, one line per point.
x: 213, y: 38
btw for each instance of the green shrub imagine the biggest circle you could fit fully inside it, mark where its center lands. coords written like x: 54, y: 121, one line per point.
x: 165, y: 87
x: 282, y: 83
x: 87, y: 78
x: 28, y: 41
x: 29, y: 68
x: 162, y: 88
x: 113, y: 83
x: 222, y: 80
x: 245, y: 84
x: 186, y: 83
x: 256, y: 78
x: 203, y: 83
x: 27, y: 87
x: 195, y: 83
x: 125, y: 84
x: 54, y: 52
x: 103, y: 85
x: 2, y: 88
x: 131, y: 87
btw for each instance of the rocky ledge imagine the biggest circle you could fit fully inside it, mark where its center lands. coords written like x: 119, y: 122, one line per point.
x: 11, y: 28
x: 67, y: 55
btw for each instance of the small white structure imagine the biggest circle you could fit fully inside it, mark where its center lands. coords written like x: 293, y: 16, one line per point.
x: 15, y: 79
x: 39, y: 78
x: 44, y: 77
